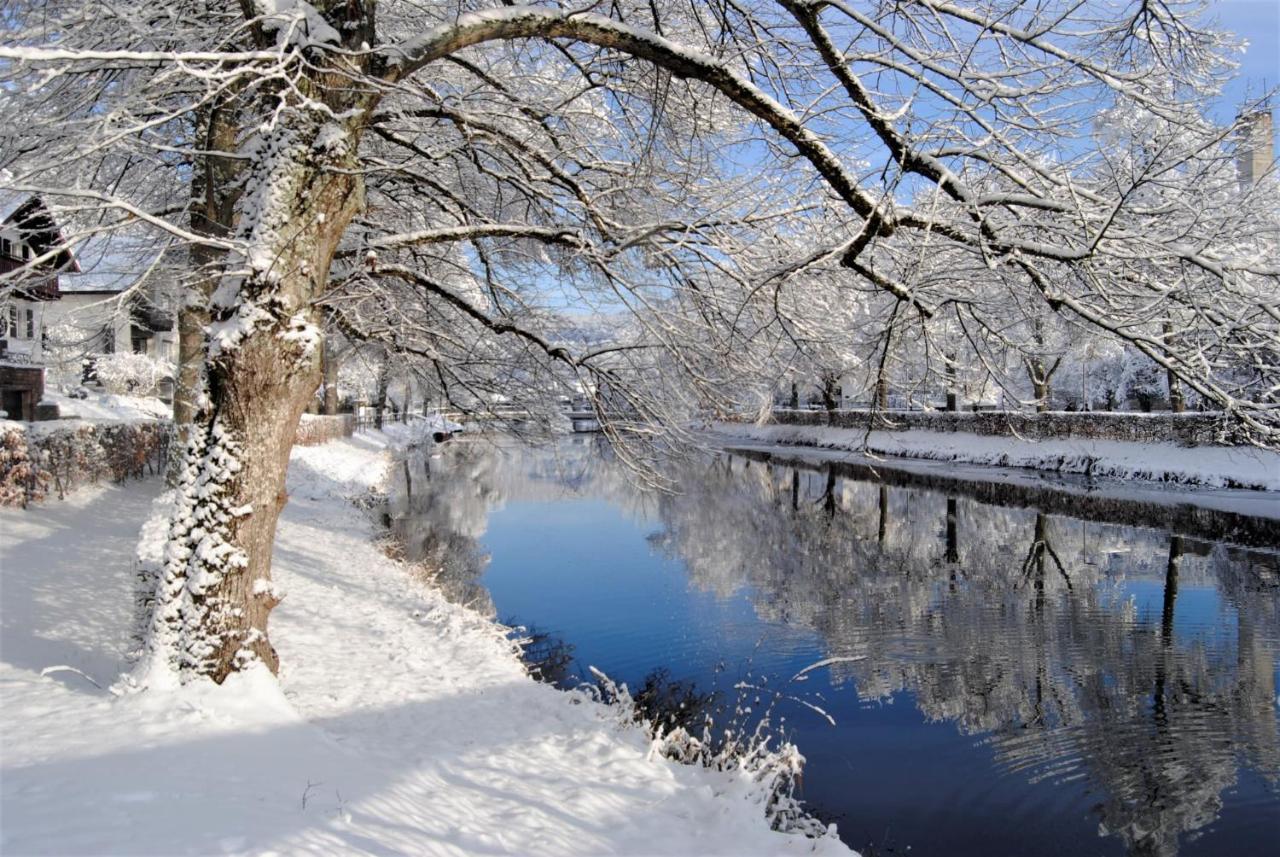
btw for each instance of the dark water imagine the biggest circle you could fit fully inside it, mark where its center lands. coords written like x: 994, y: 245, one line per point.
x: 1009, y: 680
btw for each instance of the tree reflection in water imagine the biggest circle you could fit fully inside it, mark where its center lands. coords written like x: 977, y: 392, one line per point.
x: 1021, y: 627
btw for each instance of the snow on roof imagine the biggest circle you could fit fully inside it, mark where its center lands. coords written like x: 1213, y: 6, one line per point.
x: 109, y: 264
x: 37, y: 225
x: 10, y: 200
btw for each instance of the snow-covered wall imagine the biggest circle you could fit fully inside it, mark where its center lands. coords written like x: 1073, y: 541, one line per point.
x: 1186, y: 429
x: 1151, y: 461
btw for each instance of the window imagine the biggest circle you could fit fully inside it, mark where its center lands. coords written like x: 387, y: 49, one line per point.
x: 31, y: 323
x: 26, y: 253
x: 6, y: 248
x: 13, y: 322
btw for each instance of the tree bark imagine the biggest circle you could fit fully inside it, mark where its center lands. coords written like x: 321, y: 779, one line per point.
x: 262, y: 367
x: 213, y: 197
x: 193, y: 318
x: 1041, y: 378
x: 1039, y: 384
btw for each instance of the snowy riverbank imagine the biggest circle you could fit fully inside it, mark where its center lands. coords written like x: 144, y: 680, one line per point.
x: 1210, y: 466
x: 401, y: 723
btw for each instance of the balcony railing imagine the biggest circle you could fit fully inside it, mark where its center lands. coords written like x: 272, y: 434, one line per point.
x: 34, y: 285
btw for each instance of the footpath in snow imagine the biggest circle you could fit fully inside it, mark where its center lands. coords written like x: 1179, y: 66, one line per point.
x: 401, y: 723
x: 1210, y: 466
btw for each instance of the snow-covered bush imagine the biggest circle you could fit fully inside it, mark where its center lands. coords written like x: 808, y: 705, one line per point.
x: 135, y: 374
x: 22, y: 479
x: 773, y: 772
x: 1143, y: 384
x: 84, y: 454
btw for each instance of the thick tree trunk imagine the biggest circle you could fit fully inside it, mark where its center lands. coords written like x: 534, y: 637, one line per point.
x: 248, y: 433
x: 1041, y: 376
x: 262, y: 368
x: 214, y: 192
x: 1042, y: 396
x: 1039, y: 384
x: 193, y: 318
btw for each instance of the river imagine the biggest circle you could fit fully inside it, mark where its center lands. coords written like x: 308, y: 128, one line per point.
x: 1017, y: 669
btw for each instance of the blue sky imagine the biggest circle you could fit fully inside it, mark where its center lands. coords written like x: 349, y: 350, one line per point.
x: 1258, y: 21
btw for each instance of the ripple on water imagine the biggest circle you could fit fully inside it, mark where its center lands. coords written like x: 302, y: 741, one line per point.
x: 1003, y: 679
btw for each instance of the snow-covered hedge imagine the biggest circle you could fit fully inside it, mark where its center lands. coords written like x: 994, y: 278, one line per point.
x: 315, y: 429
x: 1187, y: 429
x: 22, y: 479
x: 65, y: 459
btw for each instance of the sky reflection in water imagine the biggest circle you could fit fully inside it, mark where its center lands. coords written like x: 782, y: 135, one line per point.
x: 1013, y: 682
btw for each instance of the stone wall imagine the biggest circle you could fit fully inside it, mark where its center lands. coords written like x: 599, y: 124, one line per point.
x: 1193, y: 429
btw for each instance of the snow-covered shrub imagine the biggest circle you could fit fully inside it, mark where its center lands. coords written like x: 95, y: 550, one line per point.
x: 22, y: 479
x: 133, y: 374
x: 72, y: 457
x: 89, y: 452
x: 546, y: 657
x: 771, y: 766
x: 1143, y: 384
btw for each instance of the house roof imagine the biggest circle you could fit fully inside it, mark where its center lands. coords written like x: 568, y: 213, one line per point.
x: 38, y: 228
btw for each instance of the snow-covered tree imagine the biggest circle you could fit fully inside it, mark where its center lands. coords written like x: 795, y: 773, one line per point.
x: 498, y: 163
x: 131, y: 374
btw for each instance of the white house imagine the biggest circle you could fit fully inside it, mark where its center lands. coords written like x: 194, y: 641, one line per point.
x: 33, y: 256
x: 54, y: 317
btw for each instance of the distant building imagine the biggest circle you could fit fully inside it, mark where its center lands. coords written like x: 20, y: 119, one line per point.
x: 1255, y: 146
x: 32, y: 258
x: 55, y: 318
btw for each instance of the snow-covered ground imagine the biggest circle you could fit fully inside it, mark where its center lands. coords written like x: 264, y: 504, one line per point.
x: 1211, y: 466
x: 107, y: 406
x: 401, y: 723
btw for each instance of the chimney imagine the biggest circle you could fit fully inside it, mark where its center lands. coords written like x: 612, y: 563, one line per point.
x: 1255, y: 151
